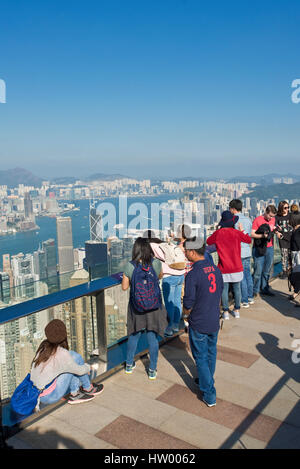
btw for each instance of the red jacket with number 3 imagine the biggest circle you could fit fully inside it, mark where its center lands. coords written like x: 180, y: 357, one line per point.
x: 228, y: 243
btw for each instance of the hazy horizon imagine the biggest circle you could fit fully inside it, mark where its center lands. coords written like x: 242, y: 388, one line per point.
x: 175, y: 88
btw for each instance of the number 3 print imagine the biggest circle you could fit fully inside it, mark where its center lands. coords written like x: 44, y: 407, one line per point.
x: 212, y: 280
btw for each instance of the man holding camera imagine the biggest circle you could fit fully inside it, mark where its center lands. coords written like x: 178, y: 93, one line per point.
x: 263, y: 250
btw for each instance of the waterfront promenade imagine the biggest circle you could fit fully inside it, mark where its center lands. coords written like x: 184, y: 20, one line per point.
x: 258, y: 390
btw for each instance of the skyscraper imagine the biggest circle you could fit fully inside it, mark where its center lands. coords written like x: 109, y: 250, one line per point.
x: 96, y: 229
x: 96, y: 258
x: 65, y: 244
x: 28, y: 208
x: 4, y: 287
x: 7, y: 268
x: 50, y: 253
x: 39, y: 264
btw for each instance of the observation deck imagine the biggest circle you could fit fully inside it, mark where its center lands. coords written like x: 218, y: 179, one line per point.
x: 257, y: 381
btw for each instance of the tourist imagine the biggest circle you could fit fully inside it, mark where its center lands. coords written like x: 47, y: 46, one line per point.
x: 244, y: 222
x: 201, y: 307
x: 284, y: 231
x: 228, y: 244
x: 65, y: 371
x: 294, y: 209
x: 263, y: 250
x: 294, y: 277
x: 183, y: 233
x: 149, y: 315
x: 172, y: 283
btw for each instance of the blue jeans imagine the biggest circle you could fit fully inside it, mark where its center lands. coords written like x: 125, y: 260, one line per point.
x: 172, y: 288
x: 153, y: 348
x: 262, y: 269
x: 67, y: 382
x: 204, y: 351
x: 237, y: 295
x: 247, y: 282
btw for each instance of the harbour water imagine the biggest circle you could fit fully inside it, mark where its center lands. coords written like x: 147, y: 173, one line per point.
x: 29, y: 241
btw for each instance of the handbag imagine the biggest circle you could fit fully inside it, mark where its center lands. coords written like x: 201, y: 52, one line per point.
x: 25, y: 397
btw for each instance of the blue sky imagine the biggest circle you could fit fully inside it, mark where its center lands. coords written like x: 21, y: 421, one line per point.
x: 150, y: 87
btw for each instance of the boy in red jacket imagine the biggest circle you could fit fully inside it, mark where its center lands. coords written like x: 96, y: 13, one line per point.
x: 228, y: 243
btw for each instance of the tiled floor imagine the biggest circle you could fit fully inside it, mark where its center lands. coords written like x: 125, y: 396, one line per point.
x: 258, y: 390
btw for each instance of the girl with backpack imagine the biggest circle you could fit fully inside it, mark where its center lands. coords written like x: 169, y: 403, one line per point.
x: 145, y: 308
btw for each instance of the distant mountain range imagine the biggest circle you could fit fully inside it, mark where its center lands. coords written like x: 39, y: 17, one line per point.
x: 265, y: 179
x: 13, y: 177
x: 266, y: 188
x: 283, y: 191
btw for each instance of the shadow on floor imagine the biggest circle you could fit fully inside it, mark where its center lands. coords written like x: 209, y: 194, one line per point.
x: 46, y: 440
x: 281, y: 303
x: 288, y: 434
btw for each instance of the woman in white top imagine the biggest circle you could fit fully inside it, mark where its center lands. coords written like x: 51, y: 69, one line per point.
x: 61, y: 370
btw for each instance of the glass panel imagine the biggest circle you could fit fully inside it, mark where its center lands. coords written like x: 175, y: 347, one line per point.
x: 116, y: 303
x: 10, y: 295
x: 20, y: 339
x: 277, y: 251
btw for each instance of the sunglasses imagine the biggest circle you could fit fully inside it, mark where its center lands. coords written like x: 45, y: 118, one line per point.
x: 287, y: 207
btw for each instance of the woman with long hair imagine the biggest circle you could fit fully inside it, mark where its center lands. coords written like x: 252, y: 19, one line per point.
x: 145, y: 309
x: 284, y: 232
x: 172, y: 280
x: 60, y: 370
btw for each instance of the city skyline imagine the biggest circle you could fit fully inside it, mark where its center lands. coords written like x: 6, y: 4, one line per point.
x: 145, y: 88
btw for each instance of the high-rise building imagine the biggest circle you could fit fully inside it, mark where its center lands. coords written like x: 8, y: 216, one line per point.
x: 7, y: 268
x: 50, y: 255
x: 28, y: 207
x: 80, y: 318
x: 9, y: 336
x: 39, y: 264
x: 96, y: 228
x: 4, y: 287
x: 65, y: 244
x: 96, y: 258
x: 79, y: 255
x: 128, y: 242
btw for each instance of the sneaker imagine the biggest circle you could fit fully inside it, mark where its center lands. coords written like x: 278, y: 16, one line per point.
x: 251, y: 301
x: 175, y: 328
x: 152, y: 374
x: 208, y: 404
x: 80, y: 398
x: 129, y: 368
x: 225, y: 315
x: 245, y: 305
x: 169, y: 332
x: 236, y: 314
x: 256, y: 295
x: 96, y: 389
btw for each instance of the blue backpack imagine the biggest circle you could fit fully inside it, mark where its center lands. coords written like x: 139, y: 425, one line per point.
x: 145, y: 293
x: 25, y: 397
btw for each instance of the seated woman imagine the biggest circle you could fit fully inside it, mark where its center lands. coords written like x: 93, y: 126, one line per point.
x: 63, y: 371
